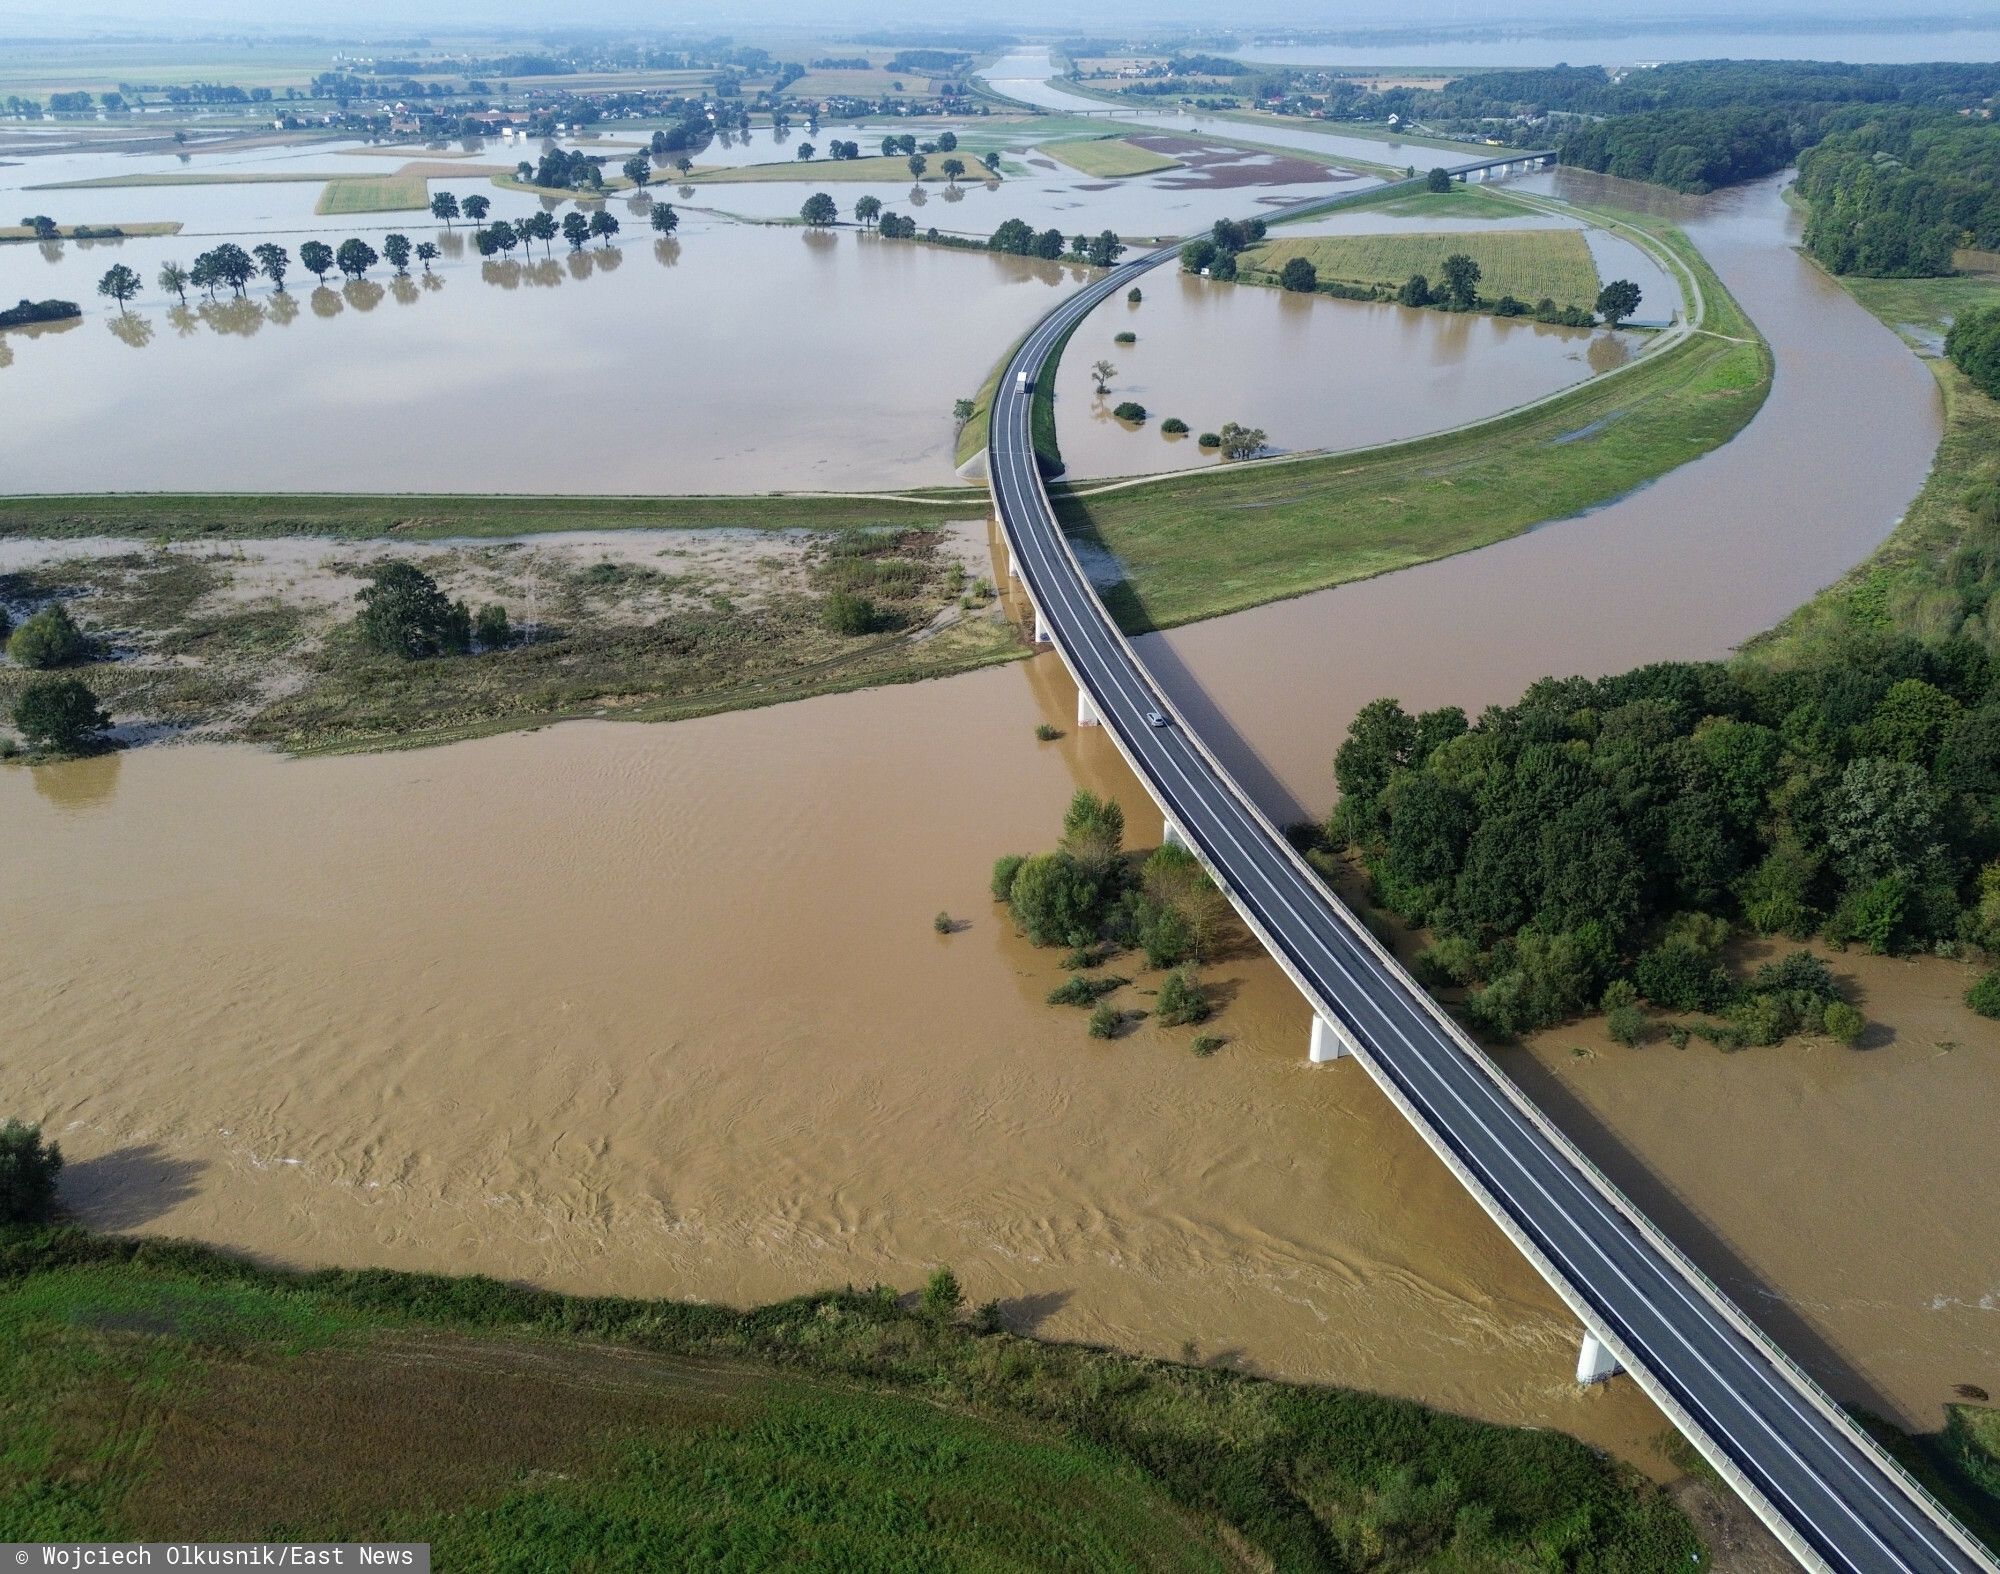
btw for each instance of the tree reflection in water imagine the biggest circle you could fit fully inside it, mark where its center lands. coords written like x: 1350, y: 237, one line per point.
x: 131, y: 328
x: 325, y: 302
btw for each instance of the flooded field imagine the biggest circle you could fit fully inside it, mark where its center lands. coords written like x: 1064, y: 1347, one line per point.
x: 1687, y: 567
x: 591, y: 1007
x: 619, y: 370
x: 1311, y: 371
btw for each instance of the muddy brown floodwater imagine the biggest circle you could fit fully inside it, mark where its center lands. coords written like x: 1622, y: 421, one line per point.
x: 660, y: 1010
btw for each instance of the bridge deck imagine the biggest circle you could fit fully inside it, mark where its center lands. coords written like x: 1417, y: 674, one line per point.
x: 1831, y: 1495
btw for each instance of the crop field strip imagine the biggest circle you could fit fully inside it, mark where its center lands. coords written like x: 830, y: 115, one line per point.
x: 1527, y: 264
x: 1109, y: 158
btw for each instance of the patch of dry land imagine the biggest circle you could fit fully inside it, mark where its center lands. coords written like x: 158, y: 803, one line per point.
x: 257, y: 640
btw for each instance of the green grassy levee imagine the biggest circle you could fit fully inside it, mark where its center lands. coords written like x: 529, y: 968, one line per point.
x: 1220, y: 540
x: 166, y: 1391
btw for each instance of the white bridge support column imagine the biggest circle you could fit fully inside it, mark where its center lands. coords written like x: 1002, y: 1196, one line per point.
x: 1330, y: 1041
x: 1594, y: 1363
x: 1086, y: 709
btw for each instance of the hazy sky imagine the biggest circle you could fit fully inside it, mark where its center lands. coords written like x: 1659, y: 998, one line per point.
x: 831, y: 16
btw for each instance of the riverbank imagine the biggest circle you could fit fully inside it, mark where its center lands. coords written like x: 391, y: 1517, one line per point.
x: 1203, y: 543
x: 1910, y: 584
x: 701, y: 1431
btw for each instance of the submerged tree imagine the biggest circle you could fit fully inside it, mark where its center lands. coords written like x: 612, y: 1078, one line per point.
x: 317, y: 258
x: 1617, y: 300
x: 174, y: 280
x: 274, y: 262
x: 119, y: 283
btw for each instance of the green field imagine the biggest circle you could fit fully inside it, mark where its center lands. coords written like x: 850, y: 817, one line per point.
x: 398, y: 193
x: 164, y: 1391
x: 1219, y: 540
x: 1109, y: 158
x: 1461, y: 202
x: 1527, y: 264
x: 875, y: 83
x: 182, y: 516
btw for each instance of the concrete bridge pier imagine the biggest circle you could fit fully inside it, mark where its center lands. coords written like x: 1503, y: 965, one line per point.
x: 1594, y: 1363
x: 1330, y: 1041
x: 1086, y: 709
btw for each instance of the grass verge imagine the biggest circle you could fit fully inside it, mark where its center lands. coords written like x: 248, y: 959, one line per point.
x: 163, y: 1390
x: 1220, y: 540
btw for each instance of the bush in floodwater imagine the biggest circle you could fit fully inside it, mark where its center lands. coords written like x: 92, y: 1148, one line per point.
x: 1046, y: 733
x: 942, y: 923
x: 1133, y: 295
x: 1845, y: 1025
x: 1127, y: 337
x: 1205, y: 1046
x: 1299, y: 276
x: 1175, y: 425
x: 1210, y: 439
x: 1983, y: 996
x: 1105, y: 1021
x: 1130, y: 410
x: 1628, y: 1024
x: 1004, y: 870
x: 847, y: 613
x: 1181, y: 1002
x: 1077, y: 990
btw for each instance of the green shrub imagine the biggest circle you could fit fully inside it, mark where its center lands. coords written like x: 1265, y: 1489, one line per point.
x: 1004, y: 870
x: 1205, y: 1046
x: 847, y: 613
x: 490, y: 626
x: 1078, y: 990
x: 1047, y: 733
x: 1127, y: 337
x: 48, y: 639
x: 1619, y: 992
x: 943, y: 1296
x: 1681, y: 977
x: 1845, y: 1025
x: 1451, y: 960
x: 1106, y: 1021
x: 1130, y: 410
x: 1054, y: 899
x: 1175, y: 425
x: 1210, y: 440
x: 403, y: 613
x: 1299, y: 276
x: 1628, y: 1024
x: 942, y: 923
x: 1677, y: 1036
x: 28, y: 1170
x: 1134, y: 295
x: 1984, y: 995
x: 59, y: 714
x: 1182, y: 1001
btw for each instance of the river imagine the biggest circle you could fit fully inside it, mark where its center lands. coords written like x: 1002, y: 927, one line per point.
x: 661, y: 1010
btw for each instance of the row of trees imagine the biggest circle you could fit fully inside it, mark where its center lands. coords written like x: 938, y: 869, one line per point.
x: 1215, y: 253
x: 1974, y: 347
x: 1615, y: 830
x: 1014, y: 236
x: 230, y: 266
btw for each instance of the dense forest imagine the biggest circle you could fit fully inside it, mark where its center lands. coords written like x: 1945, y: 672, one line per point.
x: 1892, y: 197
x: 1974, y: 347
x: 1597, y: 841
